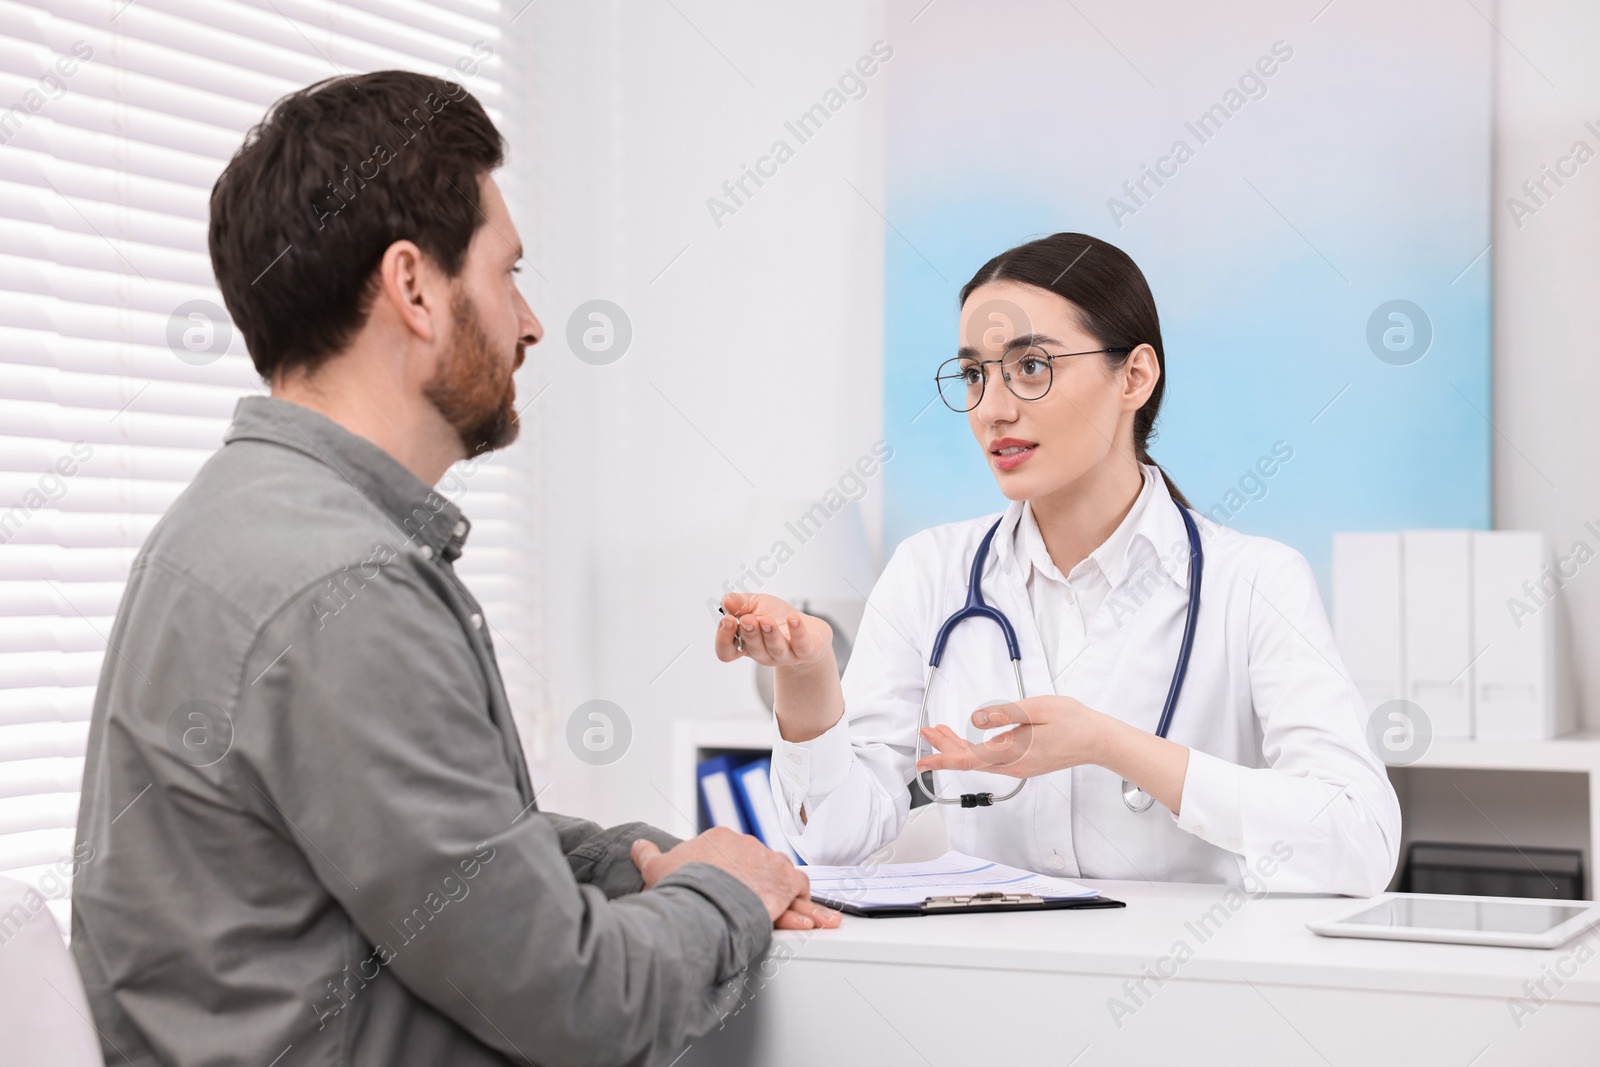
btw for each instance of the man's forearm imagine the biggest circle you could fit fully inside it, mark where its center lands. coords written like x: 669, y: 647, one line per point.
x: 601, y: 857
x: 582, y: 979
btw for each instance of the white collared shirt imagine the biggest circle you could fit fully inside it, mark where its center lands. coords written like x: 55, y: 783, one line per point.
x: 1062, y: 604
x: 1281, y: 785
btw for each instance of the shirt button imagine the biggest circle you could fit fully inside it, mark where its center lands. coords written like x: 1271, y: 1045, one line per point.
x: 794, y: 757
x: 427, y: 551
x: 1056, y: 863
x: 477, y: 621
x: 461, y: 528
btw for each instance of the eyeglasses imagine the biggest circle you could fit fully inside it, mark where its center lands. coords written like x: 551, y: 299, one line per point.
x: 1027, y: 371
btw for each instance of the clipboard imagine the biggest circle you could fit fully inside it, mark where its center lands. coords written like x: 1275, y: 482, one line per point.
x: 969, y: 904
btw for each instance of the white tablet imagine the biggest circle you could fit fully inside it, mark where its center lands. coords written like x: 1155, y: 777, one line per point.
x: 1514, y: 922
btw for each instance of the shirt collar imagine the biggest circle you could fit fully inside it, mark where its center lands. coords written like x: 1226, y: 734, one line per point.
x: 1152, y: 531
x: 426, y: 516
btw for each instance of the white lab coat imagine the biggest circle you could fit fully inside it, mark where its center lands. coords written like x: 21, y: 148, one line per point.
x: 1280, y: 779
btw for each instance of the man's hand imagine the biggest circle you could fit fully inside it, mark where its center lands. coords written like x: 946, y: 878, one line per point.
x: 783, y: 889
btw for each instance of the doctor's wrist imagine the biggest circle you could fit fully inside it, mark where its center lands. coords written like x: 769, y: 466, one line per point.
x: 1105, y: 739
x: 797, y: 730
x: 1155, y: 764
x: 808, y: 700
x: 817, y: 672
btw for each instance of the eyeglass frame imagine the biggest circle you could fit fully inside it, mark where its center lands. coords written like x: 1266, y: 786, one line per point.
x: 981, y: 363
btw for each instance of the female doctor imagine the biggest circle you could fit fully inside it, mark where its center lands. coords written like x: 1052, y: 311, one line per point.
x: 1262, y: 776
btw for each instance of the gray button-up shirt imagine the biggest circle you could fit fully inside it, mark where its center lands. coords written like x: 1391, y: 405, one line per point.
x: 307, y: 832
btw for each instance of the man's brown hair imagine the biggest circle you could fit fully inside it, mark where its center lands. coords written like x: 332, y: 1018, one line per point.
x: 331, y: 177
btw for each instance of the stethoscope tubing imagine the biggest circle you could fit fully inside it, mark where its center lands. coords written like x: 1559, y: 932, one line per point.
x: 975, y: 607
x: 1196, y: 559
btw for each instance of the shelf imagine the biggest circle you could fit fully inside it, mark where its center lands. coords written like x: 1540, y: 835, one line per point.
x: 691, y: 738
x: 1577, y: 751
x: 1574, y: 753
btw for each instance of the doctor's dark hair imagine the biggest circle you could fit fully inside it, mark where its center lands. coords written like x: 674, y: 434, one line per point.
x: 332, y: 176
x: 1112, y: 300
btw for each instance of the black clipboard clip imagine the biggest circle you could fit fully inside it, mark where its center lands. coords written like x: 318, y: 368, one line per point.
x: 981, y: 900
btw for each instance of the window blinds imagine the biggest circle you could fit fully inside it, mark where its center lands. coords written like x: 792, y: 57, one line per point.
x: 118, y: 369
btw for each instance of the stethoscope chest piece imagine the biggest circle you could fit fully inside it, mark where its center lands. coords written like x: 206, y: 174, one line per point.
x: 1136, y: 799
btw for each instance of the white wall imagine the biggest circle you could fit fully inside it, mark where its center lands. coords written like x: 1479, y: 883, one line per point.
x: 1547, y: 300
x: 754, y: 365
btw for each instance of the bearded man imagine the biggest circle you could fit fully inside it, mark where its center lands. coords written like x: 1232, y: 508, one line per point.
x: 312, y: 834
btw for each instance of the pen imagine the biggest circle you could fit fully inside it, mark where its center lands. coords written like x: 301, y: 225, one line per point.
x: 738, y: 640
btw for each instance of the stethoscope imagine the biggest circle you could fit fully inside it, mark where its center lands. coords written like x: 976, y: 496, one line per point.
x: 1135, y: 798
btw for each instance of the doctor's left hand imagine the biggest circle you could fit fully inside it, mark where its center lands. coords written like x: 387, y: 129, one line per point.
x: 1049, y: 734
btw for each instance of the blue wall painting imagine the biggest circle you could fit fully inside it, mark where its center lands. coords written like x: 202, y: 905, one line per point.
x: 1307, y: 188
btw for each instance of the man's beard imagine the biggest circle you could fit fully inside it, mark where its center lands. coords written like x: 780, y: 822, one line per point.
x: 473, y: 389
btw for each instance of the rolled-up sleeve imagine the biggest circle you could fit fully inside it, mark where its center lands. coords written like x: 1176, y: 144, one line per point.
x: 369, y: 744
x: 1321, y: 817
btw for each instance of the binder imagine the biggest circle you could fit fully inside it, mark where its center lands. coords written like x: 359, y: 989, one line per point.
x: 1437, y: 613
x: 1515, y: 617
x: 752, y: 787
x: 717, y: 793
x: 1367, y: 614
x: 977, y: 903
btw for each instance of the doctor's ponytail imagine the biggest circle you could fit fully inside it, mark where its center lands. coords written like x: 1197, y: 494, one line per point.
x: 1113, y: 302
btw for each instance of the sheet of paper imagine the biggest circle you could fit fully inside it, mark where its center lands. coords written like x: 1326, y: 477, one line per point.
x: 953, y: 874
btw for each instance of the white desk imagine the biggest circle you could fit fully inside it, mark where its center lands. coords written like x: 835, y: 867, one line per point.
x: 1025, y: 989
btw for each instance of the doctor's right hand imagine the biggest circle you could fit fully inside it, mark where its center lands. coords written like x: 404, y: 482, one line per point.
x: 771, y: 632
x: 799, y: 647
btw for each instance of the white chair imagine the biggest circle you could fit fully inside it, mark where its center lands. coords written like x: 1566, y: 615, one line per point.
x: 44, y: 1015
